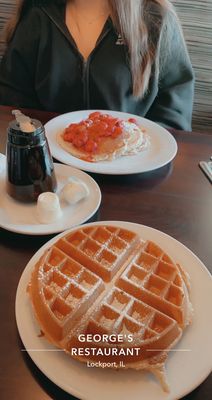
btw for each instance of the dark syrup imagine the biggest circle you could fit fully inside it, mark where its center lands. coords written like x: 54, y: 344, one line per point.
x: 30, y: 169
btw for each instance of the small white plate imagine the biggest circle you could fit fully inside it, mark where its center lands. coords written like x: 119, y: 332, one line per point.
x: 21, y: 217
x: 162, y: 150
x: 186, y: 367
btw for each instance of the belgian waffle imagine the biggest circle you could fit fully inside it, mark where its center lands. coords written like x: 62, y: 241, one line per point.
x: 103, y: 280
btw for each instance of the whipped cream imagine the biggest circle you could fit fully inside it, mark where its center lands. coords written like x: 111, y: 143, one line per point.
x: 74, y: 191
x: 48, y: 207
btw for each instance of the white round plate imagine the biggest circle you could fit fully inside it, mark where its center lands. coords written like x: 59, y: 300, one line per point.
x: 186, y: 367
x: 21, y: 217
x: 162, y: 150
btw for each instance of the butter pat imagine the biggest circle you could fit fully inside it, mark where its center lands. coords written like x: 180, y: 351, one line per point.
x: 74, y: 191
x: 48, y: 208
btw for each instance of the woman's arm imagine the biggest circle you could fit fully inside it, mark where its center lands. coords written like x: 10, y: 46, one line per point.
x: 173, y: 105
x: 18, y: 66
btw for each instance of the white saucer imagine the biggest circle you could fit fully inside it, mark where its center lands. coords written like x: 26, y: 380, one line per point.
x: 21, y: 217
x: 162, y: 150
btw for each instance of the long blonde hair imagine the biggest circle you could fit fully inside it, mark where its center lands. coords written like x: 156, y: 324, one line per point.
x: 139, y: 22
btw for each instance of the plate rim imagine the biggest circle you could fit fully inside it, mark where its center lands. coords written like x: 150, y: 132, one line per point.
x: 89, y: 166
x: 125, y: 224
x: 12, y: 227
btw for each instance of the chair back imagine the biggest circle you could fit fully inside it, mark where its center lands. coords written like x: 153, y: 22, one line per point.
x: 7, y: 9
x: 196, y: 20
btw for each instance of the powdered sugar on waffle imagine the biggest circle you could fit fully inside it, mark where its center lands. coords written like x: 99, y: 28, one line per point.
x: 107, y: 280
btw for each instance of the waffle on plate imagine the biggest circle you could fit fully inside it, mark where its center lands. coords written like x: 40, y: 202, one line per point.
x: 105, y: 282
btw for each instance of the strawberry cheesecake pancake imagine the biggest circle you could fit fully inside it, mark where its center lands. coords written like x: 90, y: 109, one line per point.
x: 103, y: 137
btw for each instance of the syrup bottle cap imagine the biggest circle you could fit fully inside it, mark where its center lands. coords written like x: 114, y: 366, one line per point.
x: 25, y: 123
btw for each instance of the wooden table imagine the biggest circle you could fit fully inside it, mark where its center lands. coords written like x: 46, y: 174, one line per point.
x: 177, y: 199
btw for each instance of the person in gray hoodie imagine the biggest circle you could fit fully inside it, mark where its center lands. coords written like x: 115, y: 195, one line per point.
x: 123, y: 55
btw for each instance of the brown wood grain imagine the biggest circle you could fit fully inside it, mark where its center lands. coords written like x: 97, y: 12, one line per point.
x: 176, y: 199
